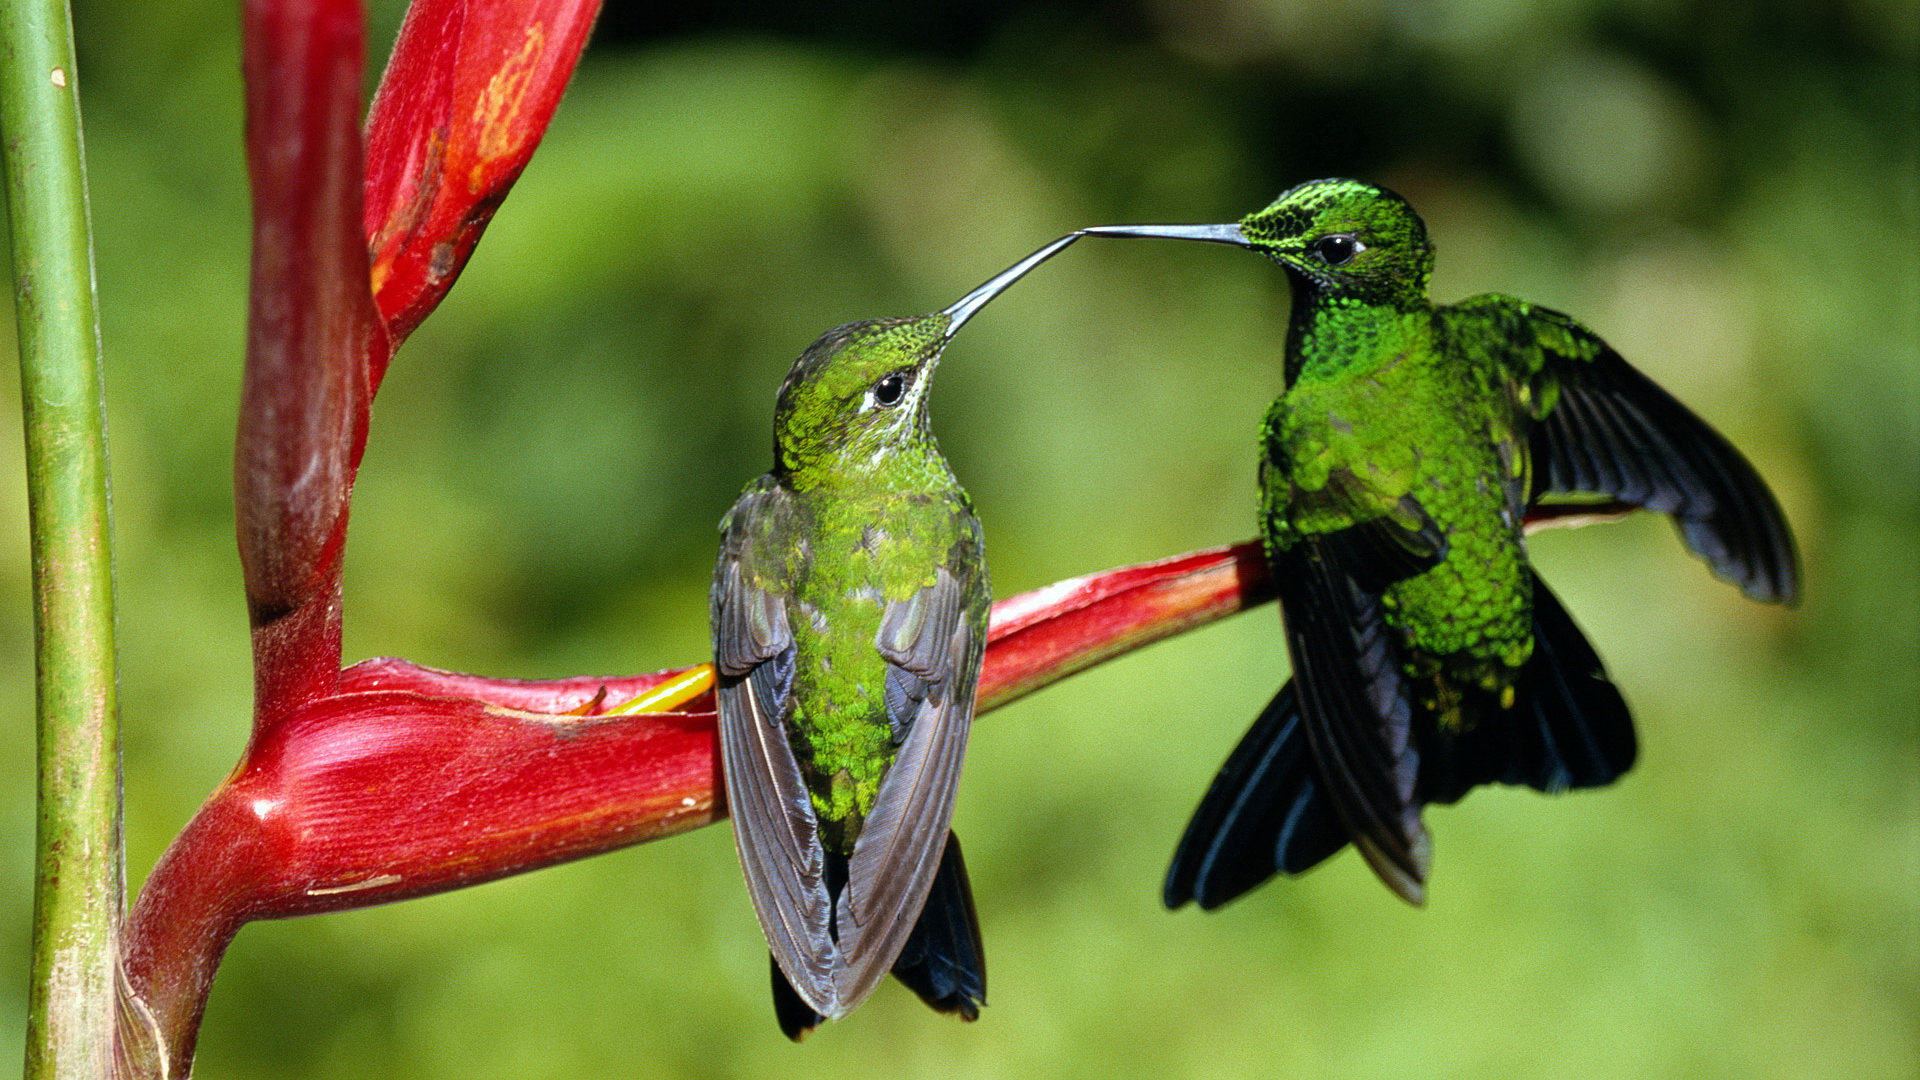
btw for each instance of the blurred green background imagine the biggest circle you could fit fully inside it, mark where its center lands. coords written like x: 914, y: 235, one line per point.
x: 1727, y: 191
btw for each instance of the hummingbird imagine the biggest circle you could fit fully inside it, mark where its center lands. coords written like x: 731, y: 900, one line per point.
x: 1396, y: 472
x: 849, y: 616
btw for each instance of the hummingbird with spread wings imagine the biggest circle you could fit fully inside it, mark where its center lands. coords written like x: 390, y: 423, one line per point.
x: 849, y: 617
x: 1396, y: 472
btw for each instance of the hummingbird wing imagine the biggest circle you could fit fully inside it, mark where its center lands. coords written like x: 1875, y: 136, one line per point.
x: 933, y: 642
x: 1602, y: 427
x: 1355, y: 703
x: 773, y: 822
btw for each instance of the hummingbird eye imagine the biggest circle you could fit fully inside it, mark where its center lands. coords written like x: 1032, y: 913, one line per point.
x: 888, y: 391
x: 1336, y: 250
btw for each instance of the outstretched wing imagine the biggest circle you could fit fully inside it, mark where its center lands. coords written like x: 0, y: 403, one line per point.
x: 773, y: 822
x: 1602, y: 427
x: 1354, y: 701
x: 933, y: 641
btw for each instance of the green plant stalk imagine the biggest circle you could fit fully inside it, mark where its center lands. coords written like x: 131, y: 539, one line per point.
x: 78, y: 890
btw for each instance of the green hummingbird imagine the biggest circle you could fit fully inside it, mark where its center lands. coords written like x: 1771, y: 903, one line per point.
x: 849, y: 614
x: 1396, y: 472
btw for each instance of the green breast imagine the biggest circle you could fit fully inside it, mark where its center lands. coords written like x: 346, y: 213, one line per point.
x: 864, y: 552
x: 1346, y: 448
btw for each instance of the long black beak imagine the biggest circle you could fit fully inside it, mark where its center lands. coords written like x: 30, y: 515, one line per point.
x: 1213, y: 234
x: 962, y: 309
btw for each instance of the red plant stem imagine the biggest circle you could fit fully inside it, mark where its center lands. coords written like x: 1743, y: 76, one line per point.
x: 1041, y: 637
x: 371, y: 797
x: 303, y: 413
x: 466, y: 99
x: 195, y: 901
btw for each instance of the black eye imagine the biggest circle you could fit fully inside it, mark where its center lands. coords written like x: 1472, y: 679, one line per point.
x: 888, y: 391
x: 1336, y: 250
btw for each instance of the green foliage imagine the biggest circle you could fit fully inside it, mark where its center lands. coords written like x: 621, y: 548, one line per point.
x: 1726, y: 196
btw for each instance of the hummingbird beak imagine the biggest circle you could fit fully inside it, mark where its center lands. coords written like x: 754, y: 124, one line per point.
x: 1213, y: 234
x: 963, y: 309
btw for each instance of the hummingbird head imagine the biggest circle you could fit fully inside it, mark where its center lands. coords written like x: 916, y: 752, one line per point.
x: 1346, y: 237
x: 1338, y: 237
x: 859, y: 393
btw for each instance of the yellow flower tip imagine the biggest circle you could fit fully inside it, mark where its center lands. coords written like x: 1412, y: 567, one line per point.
x: 669, y: 695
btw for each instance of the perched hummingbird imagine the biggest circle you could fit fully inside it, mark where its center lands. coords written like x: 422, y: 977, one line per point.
x: 1396, y: 472
x: 849, y: 612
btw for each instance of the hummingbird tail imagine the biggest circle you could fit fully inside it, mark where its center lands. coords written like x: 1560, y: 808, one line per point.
x: 797, y: 1018
x: 1265, y: 813
x: 944, y: 961
x: 1568, y: 726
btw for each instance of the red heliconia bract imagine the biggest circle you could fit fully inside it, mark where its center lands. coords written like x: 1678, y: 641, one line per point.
x: 388, y: 780
x: 407, y: 780
x: 466, y: 97
x: 347, y: 260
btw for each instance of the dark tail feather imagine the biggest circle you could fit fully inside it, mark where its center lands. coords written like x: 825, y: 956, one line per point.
x: 1265, y: 813
x: 797, y: 1018
x: 1568, y: 727
x: 944, y: 961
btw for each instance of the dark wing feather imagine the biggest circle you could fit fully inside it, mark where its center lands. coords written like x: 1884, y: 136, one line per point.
x: 1602, y: 427
x: 1354, y: 700
x: 937, y: 636
x: 773, y: 823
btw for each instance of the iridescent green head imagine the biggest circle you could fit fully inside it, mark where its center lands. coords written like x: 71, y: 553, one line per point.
x: 1346, y: 237
x: 1338, y: 237
x: 859, y: 393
